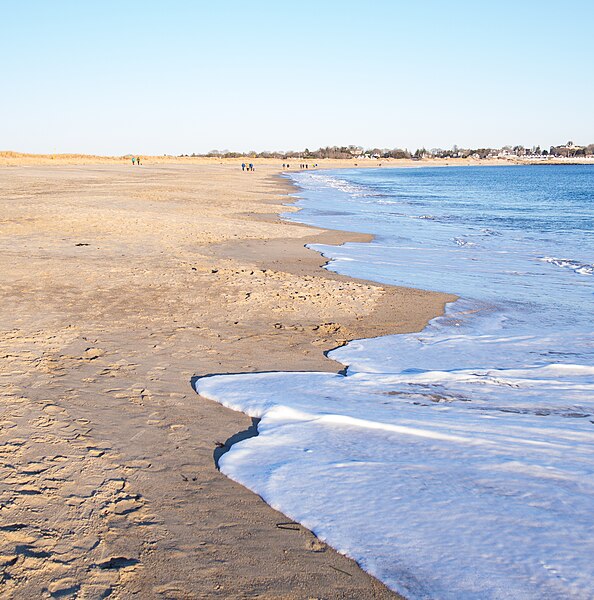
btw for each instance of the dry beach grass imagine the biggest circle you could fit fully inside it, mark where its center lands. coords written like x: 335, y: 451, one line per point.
x: 118, y: 285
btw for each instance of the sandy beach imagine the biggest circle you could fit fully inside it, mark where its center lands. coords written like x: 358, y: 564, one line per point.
x: 119, y: 285
x: 361, y: 366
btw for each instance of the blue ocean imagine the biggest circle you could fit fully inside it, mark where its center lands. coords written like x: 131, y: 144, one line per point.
x: 457, y: 462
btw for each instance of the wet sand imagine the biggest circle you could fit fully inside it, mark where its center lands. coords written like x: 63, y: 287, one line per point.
x: 119, y: 285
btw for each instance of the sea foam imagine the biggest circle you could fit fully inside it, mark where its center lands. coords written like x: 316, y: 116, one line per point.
x: 457, y: 462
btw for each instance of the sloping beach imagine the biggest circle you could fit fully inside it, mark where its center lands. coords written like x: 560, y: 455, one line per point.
x: 462, y: 454
x: 120, y: 284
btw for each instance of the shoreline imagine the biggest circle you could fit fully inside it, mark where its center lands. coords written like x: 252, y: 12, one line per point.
x: 493, y: 354
x: 391, y: 303
x: 127, y: 284
x: 334, y: 238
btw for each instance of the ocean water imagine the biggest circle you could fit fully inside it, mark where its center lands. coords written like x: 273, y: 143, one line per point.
x: 457, y: 462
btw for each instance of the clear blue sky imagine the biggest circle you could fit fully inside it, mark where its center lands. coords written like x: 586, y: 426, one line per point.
x: 189, y: 76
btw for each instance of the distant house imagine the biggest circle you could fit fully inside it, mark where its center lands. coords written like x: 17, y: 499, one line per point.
x: 505, y: 153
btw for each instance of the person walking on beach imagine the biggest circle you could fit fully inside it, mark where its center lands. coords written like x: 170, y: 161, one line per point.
x: 138, y: 161
x: 133, y: 161
x: 243, y: 166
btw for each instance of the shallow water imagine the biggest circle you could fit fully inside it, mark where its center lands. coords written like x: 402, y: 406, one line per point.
x: 457, y: 462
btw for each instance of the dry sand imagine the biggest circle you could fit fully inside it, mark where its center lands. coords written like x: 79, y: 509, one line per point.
x: 119, y: 284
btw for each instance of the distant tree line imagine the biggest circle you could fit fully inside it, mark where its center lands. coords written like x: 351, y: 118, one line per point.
x: 570, y: 149
x: 350, y: 152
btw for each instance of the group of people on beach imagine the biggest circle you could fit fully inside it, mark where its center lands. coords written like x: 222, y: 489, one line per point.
x: 301, y: 166
x: 250, y: 166
x: 136, y: 160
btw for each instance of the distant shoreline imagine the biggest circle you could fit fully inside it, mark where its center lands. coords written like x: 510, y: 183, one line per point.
x: 10, y: 158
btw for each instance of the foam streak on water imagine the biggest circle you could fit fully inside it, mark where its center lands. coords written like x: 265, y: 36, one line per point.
x: 457, y: 462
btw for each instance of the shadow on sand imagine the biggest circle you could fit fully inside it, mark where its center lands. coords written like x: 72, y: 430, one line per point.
x: 251, y: 431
